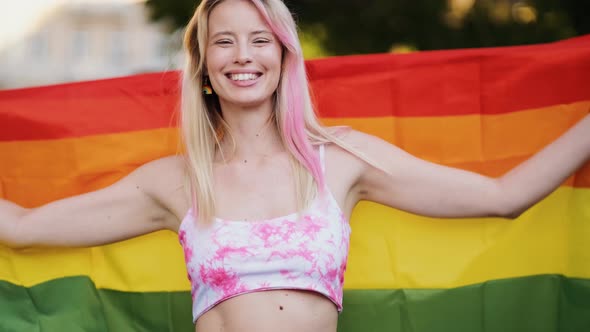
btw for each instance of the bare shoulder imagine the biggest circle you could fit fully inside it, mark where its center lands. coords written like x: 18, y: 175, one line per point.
x: 344, y: 165
x: 163, y: 179
x: 364, y: 156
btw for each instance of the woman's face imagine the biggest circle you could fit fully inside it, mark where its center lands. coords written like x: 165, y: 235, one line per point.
x: 243, y: 56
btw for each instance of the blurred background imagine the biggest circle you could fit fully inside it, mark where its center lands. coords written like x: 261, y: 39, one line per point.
x: 54, y: 41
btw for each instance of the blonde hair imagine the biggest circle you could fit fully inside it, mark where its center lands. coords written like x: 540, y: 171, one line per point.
x: 294, y: 116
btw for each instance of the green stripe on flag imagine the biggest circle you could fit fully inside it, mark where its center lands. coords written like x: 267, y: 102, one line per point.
x: 74, y: 304
x: 541, y: 303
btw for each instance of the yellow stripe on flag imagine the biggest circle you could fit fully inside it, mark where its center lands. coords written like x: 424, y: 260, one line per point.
x: 389, y: 249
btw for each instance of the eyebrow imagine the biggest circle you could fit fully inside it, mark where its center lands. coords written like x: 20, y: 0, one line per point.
x: 229, y: 33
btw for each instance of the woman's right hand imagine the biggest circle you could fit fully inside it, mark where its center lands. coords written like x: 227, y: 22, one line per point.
x: 140, y: 203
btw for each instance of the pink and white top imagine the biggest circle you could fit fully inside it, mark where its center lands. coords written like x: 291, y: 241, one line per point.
x: 306, y: 251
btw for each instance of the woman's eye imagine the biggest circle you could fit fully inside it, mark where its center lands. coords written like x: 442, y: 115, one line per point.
x: 261, y: 41
x: 223, y: 42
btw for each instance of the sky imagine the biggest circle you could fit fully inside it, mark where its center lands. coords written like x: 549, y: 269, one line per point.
x: 17, y: 17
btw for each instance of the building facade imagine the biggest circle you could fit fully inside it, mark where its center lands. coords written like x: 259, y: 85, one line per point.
x: 85, y: 41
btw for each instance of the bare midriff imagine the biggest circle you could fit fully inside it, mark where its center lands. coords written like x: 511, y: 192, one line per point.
x: 271, y: 311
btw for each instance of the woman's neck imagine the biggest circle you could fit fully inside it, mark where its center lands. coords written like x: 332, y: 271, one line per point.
x: 254, y: 132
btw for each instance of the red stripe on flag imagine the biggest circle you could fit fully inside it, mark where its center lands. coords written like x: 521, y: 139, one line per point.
x: 439, y: 83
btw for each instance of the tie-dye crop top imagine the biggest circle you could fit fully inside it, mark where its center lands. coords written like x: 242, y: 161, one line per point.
x: 304, y: 252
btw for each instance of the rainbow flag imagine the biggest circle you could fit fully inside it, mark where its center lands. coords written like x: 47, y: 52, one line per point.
x: 483, y: 110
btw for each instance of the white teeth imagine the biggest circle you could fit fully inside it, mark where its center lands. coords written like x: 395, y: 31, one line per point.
x: 243, y: 77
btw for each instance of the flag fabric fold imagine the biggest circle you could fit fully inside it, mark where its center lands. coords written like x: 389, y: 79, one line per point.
x: 484, y: 110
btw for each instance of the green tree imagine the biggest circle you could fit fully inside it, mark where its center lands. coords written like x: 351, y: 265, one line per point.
x: 370, y: 26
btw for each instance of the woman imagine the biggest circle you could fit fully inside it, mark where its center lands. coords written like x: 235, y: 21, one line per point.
x: 261, y: 198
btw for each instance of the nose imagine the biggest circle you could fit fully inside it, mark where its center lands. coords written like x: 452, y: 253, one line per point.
x: 243, y: 54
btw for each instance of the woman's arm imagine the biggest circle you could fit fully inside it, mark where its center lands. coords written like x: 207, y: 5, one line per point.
x: 9, y: 214
x: 130, y: 207
x: 433, y: 190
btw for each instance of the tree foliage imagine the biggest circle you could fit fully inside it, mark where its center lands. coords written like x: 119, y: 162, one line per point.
x: 370, y: 26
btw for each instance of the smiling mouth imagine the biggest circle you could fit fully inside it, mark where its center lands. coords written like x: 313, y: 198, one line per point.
x: 240, y: 77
